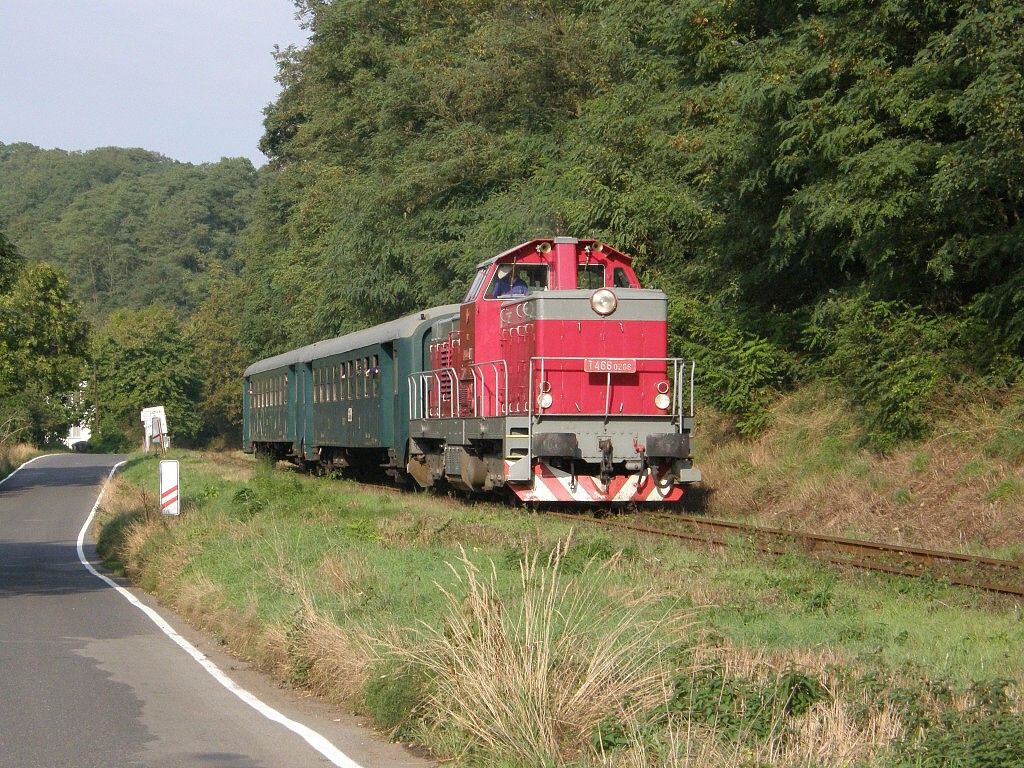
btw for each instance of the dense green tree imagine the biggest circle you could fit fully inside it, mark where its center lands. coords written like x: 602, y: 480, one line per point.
x: 757, y: 160
x: 10, y: 263
x: 783, y: 151
x: 143, y: 358
x: 215, y: 333
x: 43, y: 351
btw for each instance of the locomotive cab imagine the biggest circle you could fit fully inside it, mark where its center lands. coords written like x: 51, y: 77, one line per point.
x: 558, y: 344
x: 539, y: 266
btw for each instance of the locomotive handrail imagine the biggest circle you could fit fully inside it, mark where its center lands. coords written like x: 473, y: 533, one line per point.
x: 425, y: 384
x: 453, y: 397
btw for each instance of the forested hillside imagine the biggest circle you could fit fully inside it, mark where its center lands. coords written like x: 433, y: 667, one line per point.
x: 128, y: 227
x: 828, y: 188
x: 140, y: 245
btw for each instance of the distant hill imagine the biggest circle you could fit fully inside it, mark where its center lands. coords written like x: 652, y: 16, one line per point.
x: 129, y: 227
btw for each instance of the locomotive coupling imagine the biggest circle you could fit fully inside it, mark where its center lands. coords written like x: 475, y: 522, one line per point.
x: 607, y: 469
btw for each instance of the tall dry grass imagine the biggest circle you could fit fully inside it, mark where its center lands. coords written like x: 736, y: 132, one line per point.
x: 13, y: 455
x: 844, y: 730
x: 532, y: 678
x: 335, y: 663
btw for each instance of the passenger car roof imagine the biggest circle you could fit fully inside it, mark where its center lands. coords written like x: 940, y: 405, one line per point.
x: 378, y: 334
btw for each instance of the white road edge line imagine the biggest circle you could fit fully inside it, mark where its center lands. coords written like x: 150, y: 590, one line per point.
x: 37, y: 458
x: 311, y: 737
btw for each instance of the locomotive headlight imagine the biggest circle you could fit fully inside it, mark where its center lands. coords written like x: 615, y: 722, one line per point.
x: 544, y: 400
x: 603, y: 301
x: 662, y: 401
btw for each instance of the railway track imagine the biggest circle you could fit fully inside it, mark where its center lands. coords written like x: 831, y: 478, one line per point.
x: 976, y: 571
x: 985, y: 573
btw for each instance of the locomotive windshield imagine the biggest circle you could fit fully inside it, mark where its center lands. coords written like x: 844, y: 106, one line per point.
x: 474, y: 289
x: 590, y: 276
x: 518, y: 279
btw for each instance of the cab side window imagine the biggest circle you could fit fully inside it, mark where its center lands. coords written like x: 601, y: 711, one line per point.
x: 474, y: 288
x: 620, y: 279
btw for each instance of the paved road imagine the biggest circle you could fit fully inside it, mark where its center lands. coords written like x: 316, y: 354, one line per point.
x: 86, y: 679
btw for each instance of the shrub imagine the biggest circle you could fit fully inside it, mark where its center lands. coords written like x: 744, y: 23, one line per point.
x: 110, y: 437
x: 746, y: 709
x: 989, y: 734
x: 889, y: 357
x: 393, y: 695
x: 737, y: 371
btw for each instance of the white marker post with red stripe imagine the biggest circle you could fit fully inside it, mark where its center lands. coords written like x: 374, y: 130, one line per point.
x: 170, y: 495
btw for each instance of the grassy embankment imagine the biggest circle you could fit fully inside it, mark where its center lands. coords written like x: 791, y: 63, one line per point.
x: 460, y: 627
x: 961, y: 488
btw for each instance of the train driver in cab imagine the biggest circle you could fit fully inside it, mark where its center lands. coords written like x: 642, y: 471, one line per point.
x: 509, y: 285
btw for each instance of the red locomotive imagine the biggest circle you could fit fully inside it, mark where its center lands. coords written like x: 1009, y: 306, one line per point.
x: 554, y: 381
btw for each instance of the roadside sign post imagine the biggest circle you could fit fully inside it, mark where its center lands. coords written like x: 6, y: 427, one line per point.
x: 170, y: 493
x: 156, y: 431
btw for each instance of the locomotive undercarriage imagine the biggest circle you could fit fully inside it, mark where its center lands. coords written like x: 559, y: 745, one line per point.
x: 488, y: 453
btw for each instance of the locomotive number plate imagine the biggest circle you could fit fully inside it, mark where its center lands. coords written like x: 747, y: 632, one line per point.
x: 608, y: 365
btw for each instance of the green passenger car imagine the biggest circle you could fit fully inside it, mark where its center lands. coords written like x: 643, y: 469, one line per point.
x: 339, y: 402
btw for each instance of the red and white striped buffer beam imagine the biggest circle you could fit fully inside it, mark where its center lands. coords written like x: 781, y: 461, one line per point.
x: 170, y: 492
x: 551, y: 484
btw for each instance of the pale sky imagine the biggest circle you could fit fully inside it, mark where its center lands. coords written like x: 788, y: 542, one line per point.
x: 185, y: 78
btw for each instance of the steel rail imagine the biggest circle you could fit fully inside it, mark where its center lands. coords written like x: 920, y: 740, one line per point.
x: 896, y: 549
x: 921, y: 561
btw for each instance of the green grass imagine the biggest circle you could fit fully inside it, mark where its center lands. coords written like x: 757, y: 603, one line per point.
x: 784, y: 603
x: 1010, y: 489
x: 372, y: 561
x: 1007, y: 444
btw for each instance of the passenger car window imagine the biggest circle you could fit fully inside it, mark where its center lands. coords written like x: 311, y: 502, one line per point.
x: 590, y: 276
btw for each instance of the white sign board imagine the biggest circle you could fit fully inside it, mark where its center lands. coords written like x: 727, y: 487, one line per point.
x: 149, y: 417
x: 154, y: 424
x: 170, y: 493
